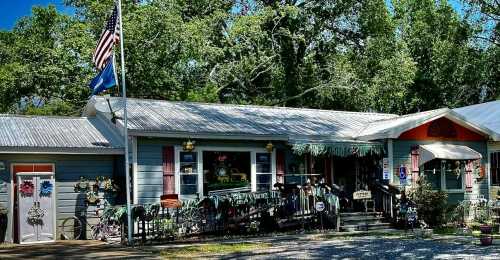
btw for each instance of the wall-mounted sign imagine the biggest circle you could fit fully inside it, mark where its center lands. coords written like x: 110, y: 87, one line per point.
x: 362, y: 195
x: 402, y: 175
x: 385, y: 169
x: 320, y: 206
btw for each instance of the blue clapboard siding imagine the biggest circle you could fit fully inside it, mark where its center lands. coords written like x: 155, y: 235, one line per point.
x: 402, y: 150
x: 68, y: 169
x: 150, y: 162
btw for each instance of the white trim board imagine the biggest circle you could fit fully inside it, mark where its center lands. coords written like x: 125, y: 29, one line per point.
x: 200, y: 149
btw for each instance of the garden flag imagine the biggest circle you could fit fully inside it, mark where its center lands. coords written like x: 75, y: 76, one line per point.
x: 109, y: 37
x: 106, y: 79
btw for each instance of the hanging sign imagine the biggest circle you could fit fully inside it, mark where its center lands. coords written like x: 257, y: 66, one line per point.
x: 402, y: 175
x: 385, y: 169
x: 362, y: 195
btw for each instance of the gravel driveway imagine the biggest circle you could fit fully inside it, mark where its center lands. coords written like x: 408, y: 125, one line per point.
x: 374, y: 247
x: 283, y: 247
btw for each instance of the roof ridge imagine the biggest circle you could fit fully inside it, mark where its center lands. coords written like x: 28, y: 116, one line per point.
x: 43, y: 116
x: 444, y: 109
x: 263, y: 106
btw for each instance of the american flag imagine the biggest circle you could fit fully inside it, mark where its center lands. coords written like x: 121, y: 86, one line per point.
x: 109, y: 37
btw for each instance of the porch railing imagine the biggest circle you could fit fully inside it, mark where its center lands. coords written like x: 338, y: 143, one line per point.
x: 237, y: 213
x: 386, y: 200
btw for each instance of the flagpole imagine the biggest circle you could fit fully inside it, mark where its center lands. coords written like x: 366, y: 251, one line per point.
x: 125, y: 126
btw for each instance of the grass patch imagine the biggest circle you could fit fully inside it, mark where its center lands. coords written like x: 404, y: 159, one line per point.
x: 445, y: 231
x: 341, y: 236
x: 7, y: 245
x: 211, y: 249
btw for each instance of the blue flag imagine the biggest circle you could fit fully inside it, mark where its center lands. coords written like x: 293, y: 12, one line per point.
x: 104, y: 80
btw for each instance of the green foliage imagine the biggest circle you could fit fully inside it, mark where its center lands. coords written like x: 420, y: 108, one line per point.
x: 345, y: 54
x: 431, y: 205
x: 3, y: 210
x: 54, y: 107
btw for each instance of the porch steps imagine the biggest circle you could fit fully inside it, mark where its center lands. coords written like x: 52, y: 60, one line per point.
x: 362, y: 221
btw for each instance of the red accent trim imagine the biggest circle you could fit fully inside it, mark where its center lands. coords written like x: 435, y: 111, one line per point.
x: 168, y: 170
x: 421, y: 132
x: 280, y: 166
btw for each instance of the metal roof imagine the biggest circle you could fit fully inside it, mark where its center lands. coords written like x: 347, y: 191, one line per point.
x: 485, y: 114
x: 394, y: 127
x: 391, y: 128
x: 157, y: 117
x: 44, y: 134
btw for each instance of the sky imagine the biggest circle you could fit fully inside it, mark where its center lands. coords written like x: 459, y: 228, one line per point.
x: 11, y: 10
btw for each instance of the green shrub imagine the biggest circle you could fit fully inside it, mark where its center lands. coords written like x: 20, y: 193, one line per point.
x: 3, y: 210
x: 431, y: 205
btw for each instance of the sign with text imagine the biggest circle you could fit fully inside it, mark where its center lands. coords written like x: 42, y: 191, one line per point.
x: 362, y: 195
x: 320, y: 206
x: 385, y: 169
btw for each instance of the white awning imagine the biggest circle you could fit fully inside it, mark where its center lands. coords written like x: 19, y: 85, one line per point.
x: 447, y: 151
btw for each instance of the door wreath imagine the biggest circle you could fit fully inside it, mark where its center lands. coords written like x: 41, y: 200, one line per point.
x: 46, y: 188
x: 26, y: 188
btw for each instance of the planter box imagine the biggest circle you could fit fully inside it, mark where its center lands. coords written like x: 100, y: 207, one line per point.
x: 486, y: 240
x: 486, y: 229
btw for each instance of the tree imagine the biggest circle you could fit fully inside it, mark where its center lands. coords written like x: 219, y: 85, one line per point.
x: 45, y: 58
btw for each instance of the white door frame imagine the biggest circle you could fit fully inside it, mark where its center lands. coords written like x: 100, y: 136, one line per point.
x: 12, y: 199
x: 54, y: 207
x: 200, y: 149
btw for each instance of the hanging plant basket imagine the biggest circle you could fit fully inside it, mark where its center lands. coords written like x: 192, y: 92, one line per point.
x: 27, y: 188
x: 92, y: 197
x: 83, y: 185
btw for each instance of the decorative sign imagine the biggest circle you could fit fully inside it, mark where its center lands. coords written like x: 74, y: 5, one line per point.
x: 385, y: 169
x: 320, y: 206
x: 362, y: 195
x: 402, y: 175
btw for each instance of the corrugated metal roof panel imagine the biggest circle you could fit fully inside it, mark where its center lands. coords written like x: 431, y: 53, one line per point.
x: 195, y: 118
x: 485, y: 114
x: 385, y: 126
x: 91, y: 134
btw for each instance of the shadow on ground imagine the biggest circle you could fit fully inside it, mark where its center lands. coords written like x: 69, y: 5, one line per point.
x: 83, y: 249
x: 373, y: 248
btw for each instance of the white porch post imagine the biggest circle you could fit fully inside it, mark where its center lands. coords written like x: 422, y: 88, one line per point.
x: 253, y: 170
x: 390, y: 155
x: 134, y: 171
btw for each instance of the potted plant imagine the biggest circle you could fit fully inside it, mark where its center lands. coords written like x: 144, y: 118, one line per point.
x: 3, y: 222
x: 484, y: 218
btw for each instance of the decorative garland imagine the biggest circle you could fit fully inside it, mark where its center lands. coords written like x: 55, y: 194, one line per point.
x: 27, y: 188
x: 35, y: 214
x: 46, y: 188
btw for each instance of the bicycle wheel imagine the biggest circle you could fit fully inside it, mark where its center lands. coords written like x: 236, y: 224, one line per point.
x: 72, y: 228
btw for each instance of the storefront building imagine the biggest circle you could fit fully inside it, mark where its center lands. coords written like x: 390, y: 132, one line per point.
x: 196, y: 149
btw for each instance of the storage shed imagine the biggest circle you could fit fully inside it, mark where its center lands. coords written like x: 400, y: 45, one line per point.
x: 45, y: 163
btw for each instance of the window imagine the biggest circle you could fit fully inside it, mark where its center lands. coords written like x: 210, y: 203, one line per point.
x: 264, y: 171
x: 189, y: 173
x: 495, y: 168
x: 224, y: 170
x: 454, y: 171
x: 445, y: 174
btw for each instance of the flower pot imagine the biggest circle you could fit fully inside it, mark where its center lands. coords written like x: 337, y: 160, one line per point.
x: 3, y: 227
x: 485, y: 229
x: 486, y: 240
